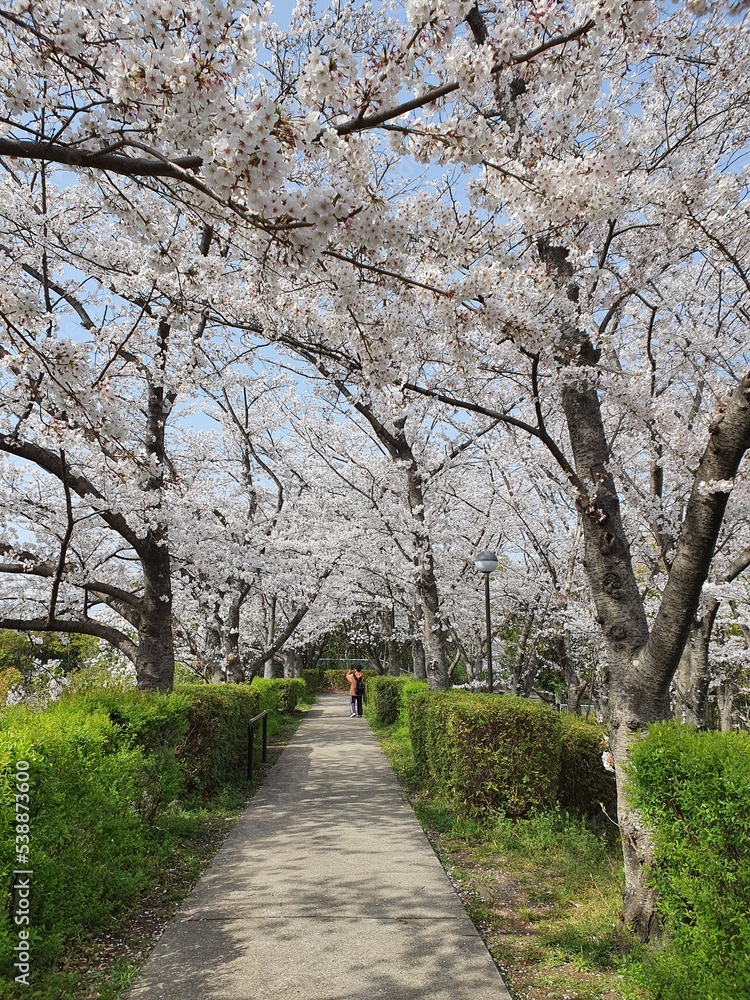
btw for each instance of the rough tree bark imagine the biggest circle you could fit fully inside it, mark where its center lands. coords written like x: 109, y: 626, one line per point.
x: 691, y: 682
x: 389, y: 624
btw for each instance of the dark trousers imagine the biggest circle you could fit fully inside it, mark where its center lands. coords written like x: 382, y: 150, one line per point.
x: 356, y: 704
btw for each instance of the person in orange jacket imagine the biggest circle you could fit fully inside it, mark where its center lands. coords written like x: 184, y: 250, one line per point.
x: 356, y: 689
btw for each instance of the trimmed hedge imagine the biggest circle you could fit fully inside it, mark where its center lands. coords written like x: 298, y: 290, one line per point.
x: 585, y: 787
x: 329, y: 680
x: 200, y: 728
x: 693, y: 789
x: 384, y: 698
x: 488, y: 752
x: 500, y: 752
x: 103, y: 768
x: 279, y: 694
x: 214, y: 753
x: 88, y: 842
x: 312, y: 680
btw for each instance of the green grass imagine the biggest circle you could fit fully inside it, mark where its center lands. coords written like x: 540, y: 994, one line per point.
x: 545, y: 892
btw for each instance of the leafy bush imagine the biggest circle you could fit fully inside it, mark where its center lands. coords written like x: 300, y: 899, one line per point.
x: 292, y: 689
x: 156, y: 723
x: 487, y: 753
x: 693, y: 789
x: 279, y: 694
x: 585, y: 787
x: 196, y: 736
x: 417, y: 714
x: 88, y: 844
x: 383, y: 698
x: 103, y: 766
x: 312, y: 680
x: 333, y: 680
x: 214, y: 753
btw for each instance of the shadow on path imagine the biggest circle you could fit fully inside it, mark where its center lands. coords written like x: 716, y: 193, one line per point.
x: 326, y: 889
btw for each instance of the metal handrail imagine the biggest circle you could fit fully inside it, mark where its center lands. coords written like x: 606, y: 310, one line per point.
x: 250, y: 732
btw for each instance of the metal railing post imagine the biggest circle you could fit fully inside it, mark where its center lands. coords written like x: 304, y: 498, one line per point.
x: 250, y: 734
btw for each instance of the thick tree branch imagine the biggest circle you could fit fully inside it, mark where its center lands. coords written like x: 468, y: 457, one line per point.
x: 82, y: 487
x: 89, y: 627
x: 101, y: 159
x: 57, y: 579
x: 729, y: 439
x: 291, y: 625
x: 538, y: 432
x: 362, y: 123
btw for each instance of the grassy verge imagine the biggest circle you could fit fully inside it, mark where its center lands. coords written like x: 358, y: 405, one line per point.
x: 103, y: 966
x: 544, y: 893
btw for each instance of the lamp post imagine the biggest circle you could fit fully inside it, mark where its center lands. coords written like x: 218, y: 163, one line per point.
x: 486, y: 562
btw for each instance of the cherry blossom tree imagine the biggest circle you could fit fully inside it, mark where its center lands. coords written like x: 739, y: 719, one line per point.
x: 577, y: 273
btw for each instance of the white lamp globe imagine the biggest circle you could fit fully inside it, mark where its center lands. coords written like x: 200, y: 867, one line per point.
x: 486, y: 562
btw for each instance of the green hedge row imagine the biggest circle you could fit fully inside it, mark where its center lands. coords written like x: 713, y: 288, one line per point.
x: 387, y: 696
x: 329, y: 680
x: 693, y: 788
x: 103, y: 767
x: 512, y: 754
x: 280, y: 694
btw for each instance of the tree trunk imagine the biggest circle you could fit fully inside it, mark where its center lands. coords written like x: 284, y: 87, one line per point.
x: 154, y: 665
x: 234, y: 666
x: 575, y: 687
x: 690, y: 701
x: 390, y: 643
x: 270, y: 668
x: 292, y: 663
x: 641, y: 663
x: 434, y: 643
x: 725, y: 701
x: 214, y: 660
x: 519, y: 661
x: 418, y: 659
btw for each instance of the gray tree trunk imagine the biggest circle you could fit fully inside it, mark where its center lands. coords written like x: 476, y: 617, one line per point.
x: 232, y: 658
x: 575, y: 686
x: 642, y: 663
x: 391, y: 646
x: 691, y: 681
x: 293, y: 663
x: 418, y: 659
x: 214, y: 658
x: 516, y: 683
x: 725, y: 697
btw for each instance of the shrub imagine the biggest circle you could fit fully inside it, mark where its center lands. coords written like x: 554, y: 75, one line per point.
x: 383, y: 698
x: 416, y: 713
x: 333, y: 680
x: 88, y: 843
x: 103, y: 766
x: 156, y: 723
x: 312, y: 680
x: 693, y: 789
x: 488, y: 753
x: 585, y: 787
x: 291, y: 689
x: 279, y: 694
x: 214, y: 752
x: 197, y: 735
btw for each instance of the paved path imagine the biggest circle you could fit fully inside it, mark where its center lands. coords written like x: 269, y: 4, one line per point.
x: 326, y: 889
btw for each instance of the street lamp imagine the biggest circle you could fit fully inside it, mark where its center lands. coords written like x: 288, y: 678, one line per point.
x: 486, y: 562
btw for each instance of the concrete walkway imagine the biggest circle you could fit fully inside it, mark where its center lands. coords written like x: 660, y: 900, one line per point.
x: 326, y: 889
